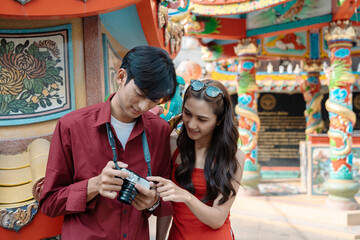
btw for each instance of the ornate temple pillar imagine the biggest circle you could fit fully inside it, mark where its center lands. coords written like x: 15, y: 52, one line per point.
x: 246, y: 110
x: 341, y: 186
x: 311, y: 91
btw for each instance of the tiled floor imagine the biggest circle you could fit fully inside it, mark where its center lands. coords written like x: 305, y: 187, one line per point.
x: 245, y: 229
x: 258, y: 230
x: 272, y: 217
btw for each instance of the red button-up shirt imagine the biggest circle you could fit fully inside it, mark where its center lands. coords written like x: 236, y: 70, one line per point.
x: 79, y: 151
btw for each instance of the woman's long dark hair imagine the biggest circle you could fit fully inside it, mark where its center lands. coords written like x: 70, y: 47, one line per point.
x: 220, y: 162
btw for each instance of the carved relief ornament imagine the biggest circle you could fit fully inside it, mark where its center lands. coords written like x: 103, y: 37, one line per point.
x: 341, y: 29
x: 16, y: 218
x: 246, y: 46
x: 313, y: 65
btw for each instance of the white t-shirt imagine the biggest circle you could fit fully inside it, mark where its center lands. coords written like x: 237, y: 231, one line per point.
x: 123, y: 130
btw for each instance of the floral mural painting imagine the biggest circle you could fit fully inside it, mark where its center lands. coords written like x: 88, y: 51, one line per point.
x: 112, y: 62
x: 35, y: 75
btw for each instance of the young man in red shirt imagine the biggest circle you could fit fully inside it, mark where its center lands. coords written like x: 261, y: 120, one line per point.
x: 82, y: 182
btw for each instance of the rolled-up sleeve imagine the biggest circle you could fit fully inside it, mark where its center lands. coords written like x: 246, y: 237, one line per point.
x: 60, y: 195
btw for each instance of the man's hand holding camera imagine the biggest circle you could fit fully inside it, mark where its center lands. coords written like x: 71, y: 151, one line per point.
x: 108, y: 183
x: 146, y: 198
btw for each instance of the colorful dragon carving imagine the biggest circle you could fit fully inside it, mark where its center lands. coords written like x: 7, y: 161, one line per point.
x: 342, y: 118
x: 312, y: 96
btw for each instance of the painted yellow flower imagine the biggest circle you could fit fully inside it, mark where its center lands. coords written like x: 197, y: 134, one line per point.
x: 33, y: 67
x: 45, y: 92
x: 54, y: 86
x: 11, y: 81
x: 35, y: 99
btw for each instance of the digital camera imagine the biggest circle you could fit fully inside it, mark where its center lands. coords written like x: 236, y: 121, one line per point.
x: 128, y: 191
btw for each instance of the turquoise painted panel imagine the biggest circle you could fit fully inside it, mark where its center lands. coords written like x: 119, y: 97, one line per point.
x: 276, y: 174
x: 125, y: 26
x: 289, y: 25
x: 36, y: 75
x: 290, y: 12
x: 355, y: 17
x: 314, y: 46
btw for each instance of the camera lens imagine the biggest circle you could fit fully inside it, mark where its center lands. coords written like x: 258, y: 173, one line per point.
x: 127, y: 193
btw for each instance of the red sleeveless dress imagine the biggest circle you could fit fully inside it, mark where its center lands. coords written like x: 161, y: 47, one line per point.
x: 185, y: 225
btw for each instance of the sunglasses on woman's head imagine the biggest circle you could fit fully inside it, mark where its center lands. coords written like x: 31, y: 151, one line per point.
x: 210, y: 91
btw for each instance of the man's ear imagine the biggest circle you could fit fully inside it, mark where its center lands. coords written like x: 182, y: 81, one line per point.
x: 121, y: 76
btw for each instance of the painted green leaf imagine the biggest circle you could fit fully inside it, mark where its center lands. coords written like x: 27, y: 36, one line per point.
x: 25, y: 95
x: 20, y: 47
x: 48, y: 103
x: 42, y: 104
x: 32, y: 50
x: 28, y: 84
x: 38, y: 87
x: 53, y: 71
x: 42, y: 55
x: 3, y: 42
x: 2, y: 50
x: 58, y: 79
x: 27, y: 109
x: 50, y: 64
x: 10, y: 47
x: 7, y: 98
x: 18, y: 103
x: 34, y: 105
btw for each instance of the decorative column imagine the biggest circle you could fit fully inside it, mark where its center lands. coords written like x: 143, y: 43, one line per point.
x: 341, y: 186
x: 246, y: 109
x: 312, y: 96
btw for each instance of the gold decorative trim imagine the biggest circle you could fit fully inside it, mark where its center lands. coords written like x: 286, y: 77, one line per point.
x: 37, y: 188
x: 17, y: 218
x: 340, y: 44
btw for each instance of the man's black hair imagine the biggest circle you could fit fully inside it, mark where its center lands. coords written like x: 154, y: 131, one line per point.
x: 152, y: 70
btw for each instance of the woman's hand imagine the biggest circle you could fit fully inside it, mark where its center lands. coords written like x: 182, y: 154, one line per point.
x: 169, y: 191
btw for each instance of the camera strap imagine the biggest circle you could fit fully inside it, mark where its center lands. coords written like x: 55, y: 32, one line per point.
x: 144, y: 145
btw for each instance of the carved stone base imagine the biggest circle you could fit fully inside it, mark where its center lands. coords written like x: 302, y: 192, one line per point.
x: 341, y: 203
x: 341, y: 194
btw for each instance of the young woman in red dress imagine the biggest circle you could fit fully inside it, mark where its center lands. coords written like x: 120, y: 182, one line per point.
x: 207, y: 167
